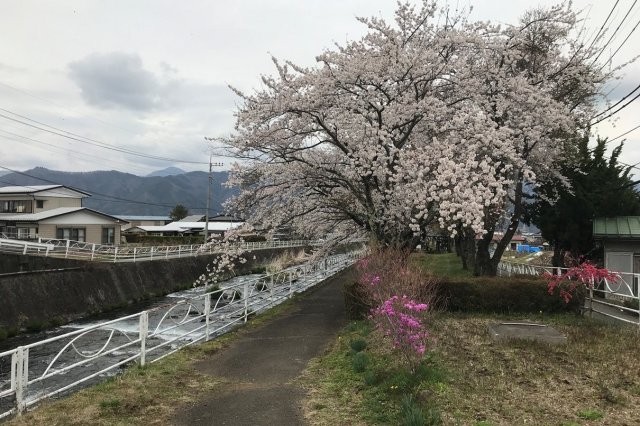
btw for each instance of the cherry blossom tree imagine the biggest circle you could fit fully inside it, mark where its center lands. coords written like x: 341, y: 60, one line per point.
x: 431, y: 120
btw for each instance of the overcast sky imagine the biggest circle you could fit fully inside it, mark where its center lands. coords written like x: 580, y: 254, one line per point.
x: 152, y: 76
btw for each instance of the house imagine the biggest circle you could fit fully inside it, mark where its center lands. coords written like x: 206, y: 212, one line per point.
x: 620, y: 237
x: 185, y: 228
x: 515, y: 241
x: 54, y: 212
x: 131, y: 221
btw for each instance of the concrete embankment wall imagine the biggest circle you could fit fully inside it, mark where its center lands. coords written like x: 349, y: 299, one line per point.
x: 40, y: 298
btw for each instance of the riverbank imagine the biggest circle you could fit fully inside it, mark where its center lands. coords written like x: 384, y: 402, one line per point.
x: 38, y: 300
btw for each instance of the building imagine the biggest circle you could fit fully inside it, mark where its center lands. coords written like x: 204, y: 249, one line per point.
x: 620, y: 237
x: 184, y: 228
x: 131, y: 221
x: 54, y: 212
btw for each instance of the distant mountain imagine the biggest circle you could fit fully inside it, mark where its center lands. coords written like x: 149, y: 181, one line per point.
x: 3, y: 172
x: 126, y: 194
x: 169, y: 171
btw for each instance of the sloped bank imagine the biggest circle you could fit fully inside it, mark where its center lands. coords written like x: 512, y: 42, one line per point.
x: 34, y: 300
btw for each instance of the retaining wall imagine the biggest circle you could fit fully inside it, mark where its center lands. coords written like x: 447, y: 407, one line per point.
x: 40, y: 298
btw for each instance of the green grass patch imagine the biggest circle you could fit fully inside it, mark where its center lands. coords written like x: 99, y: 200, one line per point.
x: 370, y: 387
x: 590, y: 414
x: 443, y: 265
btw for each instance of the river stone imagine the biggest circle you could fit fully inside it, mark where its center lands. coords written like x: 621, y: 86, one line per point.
x: 527, y: 331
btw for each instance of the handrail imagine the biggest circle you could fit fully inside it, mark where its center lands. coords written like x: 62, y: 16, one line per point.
x: 39, y: 369
x: 79, y: 250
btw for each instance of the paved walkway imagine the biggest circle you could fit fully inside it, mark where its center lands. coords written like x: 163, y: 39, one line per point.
x: 261, y: 364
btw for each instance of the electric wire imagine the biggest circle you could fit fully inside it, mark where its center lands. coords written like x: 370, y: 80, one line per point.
x: 82, y: 139
x: 110, y: 197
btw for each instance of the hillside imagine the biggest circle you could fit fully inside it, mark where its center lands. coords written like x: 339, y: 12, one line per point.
x: 189, y: 189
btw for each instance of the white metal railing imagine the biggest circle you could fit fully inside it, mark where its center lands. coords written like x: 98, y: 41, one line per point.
x: 601, y: 296
x: 54, y: 366
x: 70, y: 249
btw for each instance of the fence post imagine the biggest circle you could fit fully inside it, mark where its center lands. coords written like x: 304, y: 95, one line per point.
x: 271, y: 290
x: 166, y: 252
x: 207, y: 311
x: 20, y: 376
x: 191, y: 250
x: 246, y: 300
x: 115, y: 255
x: 591, y: 298
x: 66, y: 254
x: 135, y: 251
x: 144, y: 330
x: 152, y: 247
x: 290, y: 285
x: 93, y: 251
x: 179, y: 251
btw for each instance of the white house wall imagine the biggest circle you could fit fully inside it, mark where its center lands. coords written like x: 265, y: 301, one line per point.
x: 80, y: 217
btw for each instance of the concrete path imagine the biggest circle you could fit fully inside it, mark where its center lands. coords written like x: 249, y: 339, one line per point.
x: 262, y: 364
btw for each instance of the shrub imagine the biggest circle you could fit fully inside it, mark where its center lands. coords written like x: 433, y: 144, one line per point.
x: 371, y: 378
x: 504, y: 295
x: 358, y: 345
x: 360, y: 361
x: 3, y: 334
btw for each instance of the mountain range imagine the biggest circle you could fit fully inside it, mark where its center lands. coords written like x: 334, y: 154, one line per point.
x: 119, y: 193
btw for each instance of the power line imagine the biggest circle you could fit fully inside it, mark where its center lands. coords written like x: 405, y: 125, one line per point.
x: 111, y: 198
x: 55, y: 148
x: 83, y: 139
x: 617, y: 103
x: 624, y: 134
x: 616, y: 111
x: 24, y: 92
x: 615, y: 32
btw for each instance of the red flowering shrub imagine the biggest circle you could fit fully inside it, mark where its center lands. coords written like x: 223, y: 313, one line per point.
x: 585, y: 274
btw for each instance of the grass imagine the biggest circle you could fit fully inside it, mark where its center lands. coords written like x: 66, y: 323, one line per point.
x: 345, y: 390
x: 468, y: 378
x: 142, y: 395
x: 443, y: 265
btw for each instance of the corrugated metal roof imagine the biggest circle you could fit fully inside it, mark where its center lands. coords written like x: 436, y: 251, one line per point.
x: 617, y: 227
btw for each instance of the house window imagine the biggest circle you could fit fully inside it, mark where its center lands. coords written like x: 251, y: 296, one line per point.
x: 40, y: 204
x: 108, y: 235
x: 15, y: 206
x: 26, y: 233
x: 75, y: 234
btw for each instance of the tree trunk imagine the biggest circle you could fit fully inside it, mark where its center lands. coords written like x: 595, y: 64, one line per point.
x: 468, y: 249
x: 489, y: 264
x: 484, y: 264
x: 557, y: 261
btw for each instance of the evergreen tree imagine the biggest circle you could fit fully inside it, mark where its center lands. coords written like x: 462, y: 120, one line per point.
x: 178, y: 212
x: 599, y: 187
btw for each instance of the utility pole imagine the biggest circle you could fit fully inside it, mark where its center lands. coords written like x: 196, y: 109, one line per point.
x: 206, y: 227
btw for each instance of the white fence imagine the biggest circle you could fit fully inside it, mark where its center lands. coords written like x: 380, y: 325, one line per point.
x: 87, y: 355
x: 617, y: 299
x: 69, y: 249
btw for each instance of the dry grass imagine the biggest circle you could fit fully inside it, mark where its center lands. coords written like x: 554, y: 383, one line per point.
x: 529, y: 383
x: 593, y: 380
x: 285, y: 260
x: 140, y: 396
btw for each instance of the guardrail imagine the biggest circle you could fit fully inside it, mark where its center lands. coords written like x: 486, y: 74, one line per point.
x: 56, y: 365
x: 601, y: 296
x: 69, y: 249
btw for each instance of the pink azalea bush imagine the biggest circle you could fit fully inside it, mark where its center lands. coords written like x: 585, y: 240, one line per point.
x: 583, y: 275
x: 400, y: 295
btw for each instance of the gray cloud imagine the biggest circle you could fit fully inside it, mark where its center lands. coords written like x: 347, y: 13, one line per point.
x: 114, y: 80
